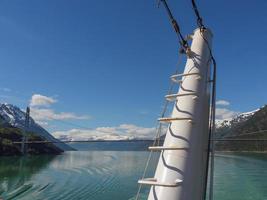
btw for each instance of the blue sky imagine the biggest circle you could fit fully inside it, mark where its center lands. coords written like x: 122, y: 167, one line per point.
x: 108, y: 62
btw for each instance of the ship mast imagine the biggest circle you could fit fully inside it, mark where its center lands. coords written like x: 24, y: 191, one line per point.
x: 182, y: 169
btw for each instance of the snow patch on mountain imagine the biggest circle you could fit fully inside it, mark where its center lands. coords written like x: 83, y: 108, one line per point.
x: 14, y: 116
x: 121, y: 132
x: 238, y: 118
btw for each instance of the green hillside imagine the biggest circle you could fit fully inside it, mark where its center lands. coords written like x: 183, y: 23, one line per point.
x: 8, y: 135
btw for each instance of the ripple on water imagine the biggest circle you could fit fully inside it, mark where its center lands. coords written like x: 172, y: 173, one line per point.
x: 20, y: 191
x: 114, y: 175
x: 87, y: 181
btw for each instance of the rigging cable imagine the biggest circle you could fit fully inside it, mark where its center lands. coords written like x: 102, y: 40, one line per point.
x: 199, y: 18
x: 176, y: 27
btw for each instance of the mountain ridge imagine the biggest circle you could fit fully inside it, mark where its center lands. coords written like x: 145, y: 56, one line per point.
x: 244, y: 133
x: 239, y: 116
x: 228, y: 127
x: 15, y: 117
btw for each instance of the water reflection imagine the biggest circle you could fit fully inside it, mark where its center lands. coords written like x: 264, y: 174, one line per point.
x: 94, y: 175
x: 108, y: 175
x: 15, y: 172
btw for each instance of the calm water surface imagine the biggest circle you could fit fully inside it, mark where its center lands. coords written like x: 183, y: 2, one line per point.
x: 113, y: 175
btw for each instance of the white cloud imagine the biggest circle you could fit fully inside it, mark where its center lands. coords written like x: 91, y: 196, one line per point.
x: 121, y: 132
x: 41, y: 114
x: 222, y: 103
x: 41, y: 100
x: 143, y: 112
x: 224, y: 113
x: 6, y: 89
x: 42, y: 123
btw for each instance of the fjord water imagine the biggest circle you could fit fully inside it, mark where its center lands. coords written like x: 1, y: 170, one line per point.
x: 110, y: 175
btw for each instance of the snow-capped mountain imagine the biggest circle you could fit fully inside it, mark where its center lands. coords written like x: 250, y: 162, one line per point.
x: 14, y: 116
x: 238, y: 118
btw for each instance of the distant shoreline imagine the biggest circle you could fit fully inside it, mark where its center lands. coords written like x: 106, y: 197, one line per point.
x: 241, y: 151
x: 81, y: 141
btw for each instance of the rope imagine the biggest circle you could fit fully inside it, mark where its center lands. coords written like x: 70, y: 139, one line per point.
x: 158, y: 132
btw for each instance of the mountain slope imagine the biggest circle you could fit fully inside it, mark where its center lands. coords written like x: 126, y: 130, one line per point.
x: 239, y: 118
x: 243, y: 123
x: 257, y: 122
x: 245, y: 132
x: 9, y: 134
x: 13, y: 116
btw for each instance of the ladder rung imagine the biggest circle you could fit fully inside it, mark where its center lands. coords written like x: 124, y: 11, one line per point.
x: 175, y: 76
x: 177, y: 81
x: 170, y: 119
x: 159, y: 148
x: 172, y: 97
x: 153, y: 181
x: 187, y: 74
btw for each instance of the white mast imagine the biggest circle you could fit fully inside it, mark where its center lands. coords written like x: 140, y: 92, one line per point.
x: 181, y: 170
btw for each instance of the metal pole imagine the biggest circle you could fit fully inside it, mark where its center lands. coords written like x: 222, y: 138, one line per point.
x: 212, y: 143
x: 211, y: 170
x: 185, y: 156
x: 24, y: 144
